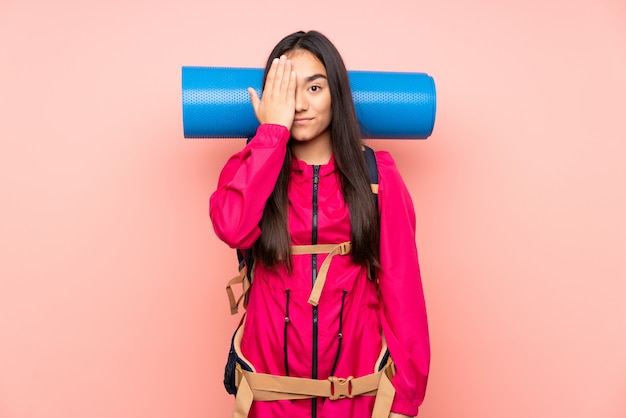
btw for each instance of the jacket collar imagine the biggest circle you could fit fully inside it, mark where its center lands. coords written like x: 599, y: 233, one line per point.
x: 300, y: 167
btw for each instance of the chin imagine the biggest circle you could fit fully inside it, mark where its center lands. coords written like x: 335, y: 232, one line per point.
x: 300, y: 139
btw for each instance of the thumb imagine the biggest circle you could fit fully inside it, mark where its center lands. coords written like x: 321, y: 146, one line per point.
x: 254, y: 98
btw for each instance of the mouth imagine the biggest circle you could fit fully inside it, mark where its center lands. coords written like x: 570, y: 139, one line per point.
x: 301, y: 121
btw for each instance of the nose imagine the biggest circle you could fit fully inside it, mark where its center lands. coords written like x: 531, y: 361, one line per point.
x: 302, y: 103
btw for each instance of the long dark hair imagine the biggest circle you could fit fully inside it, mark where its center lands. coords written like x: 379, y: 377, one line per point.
x: 274, y: 243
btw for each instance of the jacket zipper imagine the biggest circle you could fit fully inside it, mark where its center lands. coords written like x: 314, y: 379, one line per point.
x: 316, y: 179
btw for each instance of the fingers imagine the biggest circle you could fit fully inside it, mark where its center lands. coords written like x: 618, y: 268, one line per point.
x: 285, y: 79
x: 279, y: 78
x: 291, y: 88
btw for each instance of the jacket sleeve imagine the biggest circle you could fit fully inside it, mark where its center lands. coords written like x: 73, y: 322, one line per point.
x: 403, y: 307
x: 245, y: 183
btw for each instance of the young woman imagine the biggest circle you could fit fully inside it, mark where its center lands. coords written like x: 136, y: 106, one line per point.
x: 298, y: 190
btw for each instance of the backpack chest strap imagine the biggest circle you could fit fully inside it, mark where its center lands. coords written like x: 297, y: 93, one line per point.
x: 332, y: 250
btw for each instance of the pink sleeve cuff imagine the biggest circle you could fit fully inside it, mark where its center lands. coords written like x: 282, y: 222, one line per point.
x: 404, y: 407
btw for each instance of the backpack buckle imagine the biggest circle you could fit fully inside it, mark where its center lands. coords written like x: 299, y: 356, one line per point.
x: 340, y: 388
x: 344, y: 248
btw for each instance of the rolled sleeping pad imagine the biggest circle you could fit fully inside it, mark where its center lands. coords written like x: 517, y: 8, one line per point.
x: 389, y: 105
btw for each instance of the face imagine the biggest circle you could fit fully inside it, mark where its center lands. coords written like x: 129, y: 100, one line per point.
x: 313, y: 112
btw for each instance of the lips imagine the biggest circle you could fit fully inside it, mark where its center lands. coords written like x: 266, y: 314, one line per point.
x: 301, y: 121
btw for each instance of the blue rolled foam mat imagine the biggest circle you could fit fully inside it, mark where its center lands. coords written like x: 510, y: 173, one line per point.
x: 389, y: 105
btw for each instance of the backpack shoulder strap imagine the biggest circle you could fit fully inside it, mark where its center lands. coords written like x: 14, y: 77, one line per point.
x: 372, y: 169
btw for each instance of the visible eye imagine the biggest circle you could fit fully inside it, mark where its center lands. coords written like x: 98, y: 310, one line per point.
x: 315, y: 88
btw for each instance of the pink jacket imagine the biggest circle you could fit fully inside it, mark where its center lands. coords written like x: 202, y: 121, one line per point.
x: 344, y: 330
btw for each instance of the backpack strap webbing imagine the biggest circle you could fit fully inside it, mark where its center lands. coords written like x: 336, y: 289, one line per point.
x: 254, y: 386
x: 251, y: 385
x: 243, y: 279
x: 331, y: 249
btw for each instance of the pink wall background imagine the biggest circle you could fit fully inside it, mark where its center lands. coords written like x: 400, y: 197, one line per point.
x: 111, y: 279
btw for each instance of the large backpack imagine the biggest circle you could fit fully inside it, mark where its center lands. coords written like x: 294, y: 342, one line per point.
x: 242, y: 380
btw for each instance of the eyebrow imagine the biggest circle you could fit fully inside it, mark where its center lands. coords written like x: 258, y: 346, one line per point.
x: 315, y: 77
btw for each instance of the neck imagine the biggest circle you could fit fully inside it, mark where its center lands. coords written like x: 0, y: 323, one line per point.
x: 314, y: 152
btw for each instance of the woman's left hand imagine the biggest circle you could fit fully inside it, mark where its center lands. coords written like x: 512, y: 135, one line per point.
x: 396, y: 415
